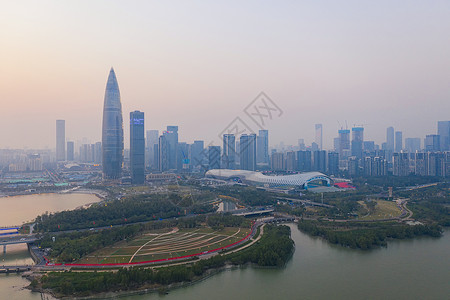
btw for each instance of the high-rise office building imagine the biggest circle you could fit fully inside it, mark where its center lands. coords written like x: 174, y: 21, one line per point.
x: 112, y: 131
x: 390, y: 139
x: 229, y: 151
x: 398, y: 141
x: 97, y: 153
x: 319, y: 135
x: 291, y: 161
x: 412, y: 144
x: 214, y: 157
x: 353, y: 166
x: 197, y: 156
x: 375, y: 166
x: 262, y: 147
x: 150, y: 141
x: 137, y: 147
x: 420, y: 163
x: 444, y: 133
x: 304, y: 161
x: 320, y: 161
x: 277, y: 161
x: 336, y: 143
x: 163, y: 153
x: 247, y: 152
x: 368, y: 146
x: 87, y: 153
x: 70, y: 151
x: 344, y: 143
x: 171, y: 135
x: 357, y: 141
x: 183, y: 162
x: 60, y: 140
x: 333, y: 163
x: 401, y: 164
x: 432, y: 142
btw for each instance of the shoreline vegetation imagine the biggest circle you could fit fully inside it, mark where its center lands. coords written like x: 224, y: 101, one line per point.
x: 365, y: 236
x: 274, y: 249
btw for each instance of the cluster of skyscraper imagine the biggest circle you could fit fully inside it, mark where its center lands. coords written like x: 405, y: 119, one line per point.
x: 366, y: 158
x: 164, y: 153
x: 88, y: 153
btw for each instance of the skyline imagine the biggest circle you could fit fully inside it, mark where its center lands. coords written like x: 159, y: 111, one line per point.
x: 382, y: 65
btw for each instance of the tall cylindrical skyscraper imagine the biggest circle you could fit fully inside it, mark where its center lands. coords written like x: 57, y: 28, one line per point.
x: 112, y: 132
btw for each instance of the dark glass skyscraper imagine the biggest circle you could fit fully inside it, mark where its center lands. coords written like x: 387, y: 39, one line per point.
x: 171, y: 135
x: 163, y: 153
x: 357, y: 141
x: 247, y: 152
x: 262, y: 147
x: 137, y: 147
x: 112, y: 132
x: 70, y: 151
x: 229, y: 151
x: 197, y: 155
x: 398, y: 141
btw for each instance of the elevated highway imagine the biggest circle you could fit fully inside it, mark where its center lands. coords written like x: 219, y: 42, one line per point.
x: 17, y: 239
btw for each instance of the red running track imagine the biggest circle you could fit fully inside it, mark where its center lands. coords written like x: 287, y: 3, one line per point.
x: 156, y: 260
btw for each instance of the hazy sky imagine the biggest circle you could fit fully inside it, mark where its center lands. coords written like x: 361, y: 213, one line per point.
x: 197, y: 64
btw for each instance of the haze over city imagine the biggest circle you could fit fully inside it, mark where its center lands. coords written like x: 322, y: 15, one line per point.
x: 197, y: 65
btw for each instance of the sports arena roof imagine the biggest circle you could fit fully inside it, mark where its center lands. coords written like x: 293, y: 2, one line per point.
x: 257, y: 178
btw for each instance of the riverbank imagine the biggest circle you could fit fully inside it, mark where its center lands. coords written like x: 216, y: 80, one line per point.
x: 77, y: 190
x: 366, y: 236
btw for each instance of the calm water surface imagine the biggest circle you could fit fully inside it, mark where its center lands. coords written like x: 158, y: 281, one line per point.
x: 412, y: 269
x: 19, y: 209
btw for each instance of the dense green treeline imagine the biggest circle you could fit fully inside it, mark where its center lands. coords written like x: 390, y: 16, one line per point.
x: 365, y: 235
x: 250, y: 196
x: 426, y: 210
x: 227, y: 220
x: 139, y: 208
x: 273, y: 249
x: 395, y: 181
x: 430, y: 203
x: 288, y: 209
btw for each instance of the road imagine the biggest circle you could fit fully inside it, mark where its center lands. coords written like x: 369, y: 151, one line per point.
x: 305, y: 202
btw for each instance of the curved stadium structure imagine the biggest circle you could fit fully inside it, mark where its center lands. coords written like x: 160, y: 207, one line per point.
x: 300, y: 180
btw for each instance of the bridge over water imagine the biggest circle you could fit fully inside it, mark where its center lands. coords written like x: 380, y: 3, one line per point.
x: 15, y: 268
x: 252, y: 212
x: 17, y: 239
